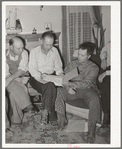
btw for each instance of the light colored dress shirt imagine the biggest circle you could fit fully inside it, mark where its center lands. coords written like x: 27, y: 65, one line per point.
x: 40, y: 63
x: 105, y: 53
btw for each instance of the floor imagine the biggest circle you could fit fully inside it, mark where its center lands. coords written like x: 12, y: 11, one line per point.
x: 33, y: 132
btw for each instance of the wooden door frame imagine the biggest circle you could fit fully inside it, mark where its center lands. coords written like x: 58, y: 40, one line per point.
x: 64, y: 35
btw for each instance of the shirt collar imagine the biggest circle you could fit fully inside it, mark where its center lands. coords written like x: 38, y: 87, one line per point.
x: 84, y: 63
x: 51, y: 50
x: 12, y: 57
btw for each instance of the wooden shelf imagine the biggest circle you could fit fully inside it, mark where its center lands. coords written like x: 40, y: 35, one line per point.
x: 33, y: 39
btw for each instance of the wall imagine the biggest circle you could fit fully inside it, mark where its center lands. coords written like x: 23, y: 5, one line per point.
x: 31, y: 16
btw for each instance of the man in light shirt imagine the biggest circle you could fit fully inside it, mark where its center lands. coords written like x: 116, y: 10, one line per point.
x: 45, y: 61
x: 16, y: 66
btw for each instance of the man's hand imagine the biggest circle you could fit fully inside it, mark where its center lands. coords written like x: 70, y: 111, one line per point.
x: 8, y: 81
x: 43, y: 81
x: 65, y: 83
x: 103, y: 64
x: 71, y: 91
x: 44, y: 76
x: 101, y: 77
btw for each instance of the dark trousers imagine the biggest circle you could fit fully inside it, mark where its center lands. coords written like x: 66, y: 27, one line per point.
x: 105, y: 92
x: 49, y: 93
x: 6, y: 115
x: 92, y: 99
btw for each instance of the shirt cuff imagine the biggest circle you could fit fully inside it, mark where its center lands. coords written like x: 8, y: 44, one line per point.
x: 24, y: 69
x: 37, y: 77
x: 59, y: 72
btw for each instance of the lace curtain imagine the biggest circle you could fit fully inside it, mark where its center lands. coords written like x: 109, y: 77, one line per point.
x: 80, y: 22
x: 79, y: 28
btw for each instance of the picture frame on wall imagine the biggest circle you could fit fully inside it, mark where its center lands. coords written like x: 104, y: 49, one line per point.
x: 48, y: 26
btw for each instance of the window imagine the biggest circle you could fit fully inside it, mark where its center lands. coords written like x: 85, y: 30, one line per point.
x: 79, y: 28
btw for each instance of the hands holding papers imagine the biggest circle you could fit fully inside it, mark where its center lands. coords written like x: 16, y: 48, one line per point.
x: 73, y: 73
x: 62, y: 80
x: 57, y: 80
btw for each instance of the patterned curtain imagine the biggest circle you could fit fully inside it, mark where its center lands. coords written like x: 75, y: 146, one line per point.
x: 79, y: 28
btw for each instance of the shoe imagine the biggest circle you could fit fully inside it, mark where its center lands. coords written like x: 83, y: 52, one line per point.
x: 29, y: 109
x: 106, y: 120
x: 53, y: 119
x: 62, y: 121
x: 91, y: 132
x: 53, y: 123
x: 105, y: 126
x: 27, y: 113
x: 9, y: 132
x: 90, y: 140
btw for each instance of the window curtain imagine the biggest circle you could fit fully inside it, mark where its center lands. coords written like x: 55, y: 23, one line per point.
x: 96, y: 16
x: 79, y: 28
x: 80, y: 24
x: 97, y: 27
x: 73, y: 29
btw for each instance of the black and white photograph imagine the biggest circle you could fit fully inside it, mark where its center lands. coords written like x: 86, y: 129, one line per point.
x: 60, y: 74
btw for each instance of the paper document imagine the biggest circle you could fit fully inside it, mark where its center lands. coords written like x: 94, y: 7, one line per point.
x: 57, y: 80
x: 73, y: 73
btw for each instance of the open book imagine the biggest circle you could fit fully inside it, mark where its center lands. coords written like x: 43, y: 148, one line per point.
x: 58, y: 79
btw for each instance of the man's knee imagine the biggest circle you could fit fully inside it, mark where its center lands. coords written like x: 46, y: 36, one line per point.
x: 16, y: 88
x: 12, y: 86
x: 51, y: 84
x: 94, y: 98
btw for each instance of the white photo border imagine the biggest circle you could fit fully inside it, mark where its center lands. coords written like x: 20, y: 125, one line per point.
x: 115, y: 75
